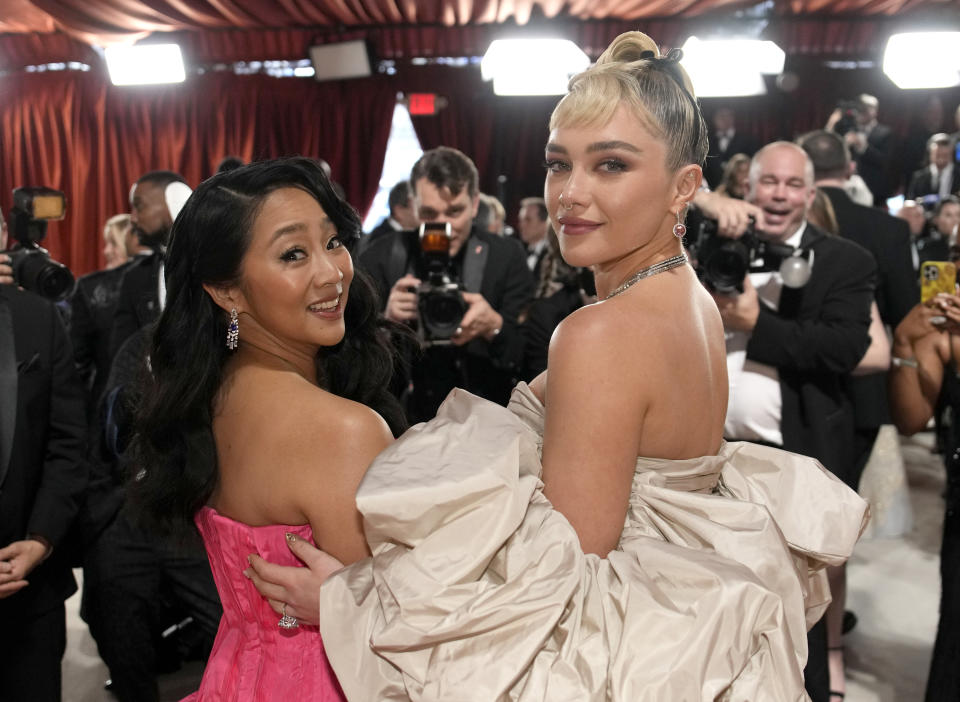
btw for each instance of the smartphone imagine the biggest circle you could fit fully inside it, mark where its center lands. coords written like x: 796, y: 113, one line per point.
x: 937, y: 277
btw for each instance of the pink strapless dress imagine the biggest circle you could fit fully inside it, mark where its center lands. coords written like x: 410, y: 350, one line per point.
x: 253, y: 658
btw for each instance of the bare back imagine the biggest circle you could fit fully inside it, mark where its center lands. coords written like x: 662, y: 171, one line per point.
x: 640, y: 375
x: 291, y: 453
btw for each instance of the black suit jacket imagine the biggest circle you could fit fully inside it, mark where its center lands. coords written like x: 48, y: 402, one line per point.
x: 496, y: 268
x: 887, y: 238
x: 874, y: 164
x: 92, y: 309
x: 740, y: 143
x: 138, y: 304
x: 815, y: 339
x: 43, y: 472
x: 921, y: 183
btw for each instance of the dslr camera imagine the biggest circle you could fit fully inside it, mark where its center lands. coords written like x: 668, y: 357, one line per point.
x: 439, y: 299
x: 848, y: 122
x: 33, y: 269
x: 722, y: 263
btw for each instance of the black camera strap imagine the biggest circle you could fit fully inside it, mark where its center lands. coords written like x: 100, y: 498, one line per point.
x: 8, y: 388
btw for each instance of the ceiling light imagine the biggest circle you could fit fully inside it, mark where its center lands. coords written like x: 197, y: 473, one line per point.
x: 923, y: 60
x: 532, y: 66
x: 730, y: 67
x: 145, y: 64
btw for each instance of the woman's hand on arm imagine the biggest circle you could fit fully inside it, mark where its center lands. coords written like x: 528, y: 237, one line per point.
x: 298, y: 588
x: 332, y: 461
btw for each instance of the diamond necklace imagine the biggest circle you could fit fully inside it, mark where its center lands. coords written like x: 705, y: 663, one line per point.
x: 666, y: 265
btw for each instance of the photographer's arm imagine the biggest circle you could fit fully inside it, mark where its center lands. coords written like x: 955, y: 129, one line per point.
x: 732, y: 215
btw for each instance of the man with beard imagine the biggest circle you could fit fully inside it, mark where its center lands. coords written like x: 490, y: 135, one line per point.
x: 155, y: 201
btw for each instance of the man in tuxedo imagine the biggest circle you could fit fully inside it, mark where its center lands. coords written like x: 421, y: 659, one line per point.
x: 532, y: 223
x: 43, y: 476
x: 941, y: 176
x: 402, y: 215
x: 155, y: 200
x: 888, y: 240
x: 92, y: 308
x: 872, y: 145
x: 725, y: 142
x: 790, y: 350
x: 486, y: 350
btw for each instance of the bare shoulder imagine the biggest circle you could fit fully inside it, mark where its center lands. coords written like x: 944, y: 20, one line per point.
x: 333, y: 424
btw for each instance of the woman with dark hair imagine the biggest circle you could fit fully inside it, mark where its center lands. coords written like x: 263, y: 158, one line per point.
x: 925, y: 381
x: 597, y: 540
x: 266, y: 402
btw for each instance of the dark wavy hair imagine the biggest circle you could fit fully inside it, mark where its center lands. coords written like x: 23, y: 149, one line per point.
x: 174, y: 445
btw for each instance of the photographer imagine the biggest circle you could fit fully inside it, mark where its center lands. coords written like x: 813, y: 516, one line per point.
x: 940, y: 177
x: 486, y: 349
x: 790, y: 350
x: 871, y: 143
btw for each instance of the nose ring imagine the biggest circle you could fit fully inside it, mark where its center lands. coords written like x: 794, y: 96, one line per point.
x: 564, y: 205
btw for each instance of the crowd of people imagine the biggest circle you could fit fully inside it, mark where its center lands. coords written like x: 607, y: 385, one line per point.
x: 641, y: 418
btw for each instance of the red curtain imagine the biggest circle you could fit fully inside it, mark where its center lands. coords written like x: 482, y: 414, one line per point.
x: 72, y: 132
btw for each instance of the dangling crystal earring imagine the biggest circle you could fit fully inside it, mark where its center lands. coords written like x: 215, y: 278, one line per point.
x: 679, y: 229
x: 233, y: 330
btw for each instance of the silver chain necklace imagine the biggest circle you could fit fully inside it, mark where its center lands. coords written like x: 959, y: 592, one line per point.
x: 666, y: 265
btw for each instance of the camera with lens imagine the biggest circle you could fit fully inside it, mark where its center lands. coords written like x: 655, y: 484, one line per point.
x: 33, y: 269
x: 439, y: 300
x: 848, y: 122
x: 722, y: 263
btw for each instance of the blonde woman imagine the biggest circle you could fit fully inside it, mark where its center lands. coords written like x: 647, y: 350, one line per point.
x: 597, y: 540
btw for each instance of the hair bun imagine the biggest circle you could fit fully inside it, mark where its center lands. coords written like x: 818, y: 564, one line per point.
x: 629, y: 47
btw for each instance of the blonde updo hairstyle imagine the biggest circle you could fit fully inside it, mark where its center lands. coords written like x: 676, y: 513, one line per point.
x: 656, y: 88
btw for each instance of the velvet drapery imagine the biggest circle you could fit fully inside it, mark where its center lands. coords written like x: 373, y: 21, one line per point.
x: 74, y: 132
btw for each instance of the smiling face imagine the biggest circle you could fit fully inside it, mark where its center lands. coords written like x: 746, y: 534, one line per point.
x: 296, y: 274
x: 781, y: 184
x: 622, y: 198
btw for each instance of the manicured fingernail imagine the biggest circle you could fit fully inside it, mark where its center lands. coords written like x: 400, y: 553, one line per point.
x: 250, y: 559
x: 247, y: 574
x: 291, y: 537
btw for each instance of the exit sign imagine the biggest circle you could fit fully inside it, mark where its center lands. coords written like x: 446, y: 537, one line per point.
x: 422, y: 103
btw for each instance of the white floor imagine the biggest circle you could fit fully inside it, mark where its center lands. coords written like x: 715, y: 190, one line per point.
x: 893, y: 587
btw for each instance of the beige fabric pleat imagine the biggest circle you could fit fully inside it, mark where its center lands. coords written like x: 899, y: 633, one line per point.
x: 478, y: 589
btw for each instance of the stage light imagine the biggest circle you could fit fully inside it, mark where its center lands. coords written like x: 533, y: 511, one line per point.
x: 915, y: 60
x: 730, y: 67
x: 145, y: 64
x: 532, y: 66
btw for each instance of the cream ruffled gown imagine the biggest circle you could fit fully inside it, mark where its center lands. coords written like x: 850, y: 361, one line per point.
x: 478, y: 589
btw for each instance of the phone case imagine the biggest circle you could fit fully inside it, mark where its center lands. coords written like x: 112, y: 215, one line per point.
x: 937, y: 277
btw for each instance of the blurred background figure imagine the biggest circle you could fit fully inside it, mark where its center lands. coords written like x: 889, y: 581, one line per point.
x: 736, y: 177
x: 939, y: 177
x: 402, y: 215
x: 532, y: 226
x: 725, y: 143
x: 870, y: 142
x: 490, y: 215
x: 119, y: 241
